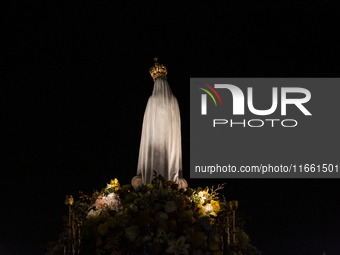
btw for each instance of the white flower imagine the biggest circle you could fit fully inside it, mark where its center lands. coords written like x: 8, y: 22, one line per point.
x: 162, y: 216
x: 170, y: 206
x: 131, y: 233
x: 208, y: 209
x: 178, y: 247
x: 112, y: 195
x: 113, y: 202
x: 93, y: 213
x: 201, y: 195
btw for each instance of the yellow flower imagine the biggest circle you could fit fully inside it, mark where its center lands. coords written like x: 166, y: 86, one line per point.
x: 112, y: 222
x: 213, y: 214
x: 103, y: 228
x: 149, y: 186
x: 212, y: 220
x: 108, y: 186
x: 215, y: 205
x: 115, y: 184
x: 201, y: 211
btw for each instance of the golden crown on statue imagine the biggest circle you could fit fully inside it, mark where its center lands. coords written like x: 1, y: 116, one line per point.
x: 158, y: 71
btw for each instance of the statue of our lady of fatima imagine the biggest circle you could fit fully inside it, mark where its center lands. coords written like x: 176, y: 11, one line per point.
x: 160, y: 145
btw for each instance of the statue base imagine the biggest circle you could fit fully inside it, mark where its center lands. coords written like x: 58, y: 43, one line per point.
x: 137, y: 180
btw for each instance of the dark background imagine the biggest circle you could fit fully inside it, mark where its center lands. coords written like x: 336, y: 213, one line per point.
x: 77, y: 86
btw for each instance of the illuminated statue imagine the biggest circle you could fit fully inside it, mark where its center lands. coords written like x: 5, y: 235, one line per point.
x: 160, y: 146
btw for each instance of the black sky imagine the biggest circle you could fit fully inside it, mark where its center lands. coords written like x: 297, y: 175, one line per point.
x: 78, y: 83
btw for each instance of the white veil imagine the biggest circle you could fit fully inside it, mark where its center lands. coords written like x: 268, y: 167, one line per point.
x: 160, y: 146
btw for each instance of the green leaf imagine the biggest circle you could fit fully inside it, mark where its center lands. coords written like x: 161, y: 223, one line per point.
x: 161, y: 178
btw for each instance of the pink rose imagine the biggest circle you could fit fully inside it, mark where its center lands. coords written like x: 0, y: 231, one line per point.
x: 100, y: 202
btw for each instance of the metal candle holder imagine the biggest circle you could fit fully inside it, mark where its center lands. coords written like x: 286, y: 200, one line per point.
x: 74, y: 226
x: 229, y: 237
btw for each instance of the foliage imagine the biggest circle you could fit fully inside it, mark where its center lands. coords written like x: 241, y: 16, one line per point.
x: 156, y: 218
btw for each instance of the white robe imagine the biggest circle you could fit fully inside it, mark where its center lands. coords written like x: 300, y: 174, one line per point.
x: 160, y: 146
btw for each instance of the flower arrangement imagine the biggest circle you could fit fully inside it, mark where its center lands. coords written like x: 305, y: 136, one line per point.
x: 156, y: 218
